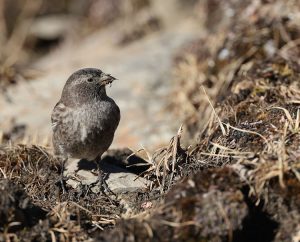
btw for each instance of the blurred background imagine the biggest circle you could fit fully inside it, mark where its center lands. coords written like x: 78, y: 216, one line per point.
x: 162, y: 52
x: 44, y: 42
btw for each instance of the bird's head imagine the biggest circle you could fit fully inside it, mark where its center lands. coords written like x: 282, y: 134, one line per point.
x: 86, y: 85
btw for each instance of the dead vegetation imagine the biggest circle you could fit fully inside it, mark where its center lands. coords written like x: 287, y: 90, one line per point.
x: 256, y: 31
x: 256, y: 196
x: 238, y: 93
x: 37, y: 175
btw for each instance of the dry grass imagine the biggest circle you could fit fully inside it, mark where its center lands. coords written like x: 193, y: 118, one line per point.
x: 37, y: 172
x: 165, y: 164
x: 264, y: 133
x: 248, y: 115
x: 259, y: 31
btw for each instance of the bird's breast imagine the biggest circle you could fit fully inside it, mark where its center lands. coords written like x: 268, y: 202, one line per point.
x: 96, y: 120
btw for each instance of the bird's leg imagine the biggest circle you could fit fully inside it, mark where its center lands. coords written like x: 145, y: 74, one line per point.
x: 101, y: 180
x: 62, y: 178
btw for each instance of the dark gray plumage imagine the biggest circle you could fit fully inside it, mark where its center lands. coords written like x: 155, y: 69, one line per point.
x: 85, y: 118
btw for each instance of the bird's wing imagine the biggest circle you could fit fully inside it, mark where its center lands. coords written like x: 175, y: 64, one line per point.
x: 58, y: 114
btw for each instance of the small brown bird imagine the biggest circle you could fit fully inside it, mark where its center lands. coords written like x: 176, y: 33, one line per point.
x: 85, y: 118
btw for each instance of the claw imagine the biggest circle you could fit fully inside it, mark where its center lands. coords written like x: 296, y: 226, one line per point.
x: 62, y: 179
x: 103, y: 187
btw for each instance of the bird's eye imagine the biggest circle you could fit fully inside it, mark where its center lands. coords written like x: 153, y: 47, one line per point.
x: 90, y: 80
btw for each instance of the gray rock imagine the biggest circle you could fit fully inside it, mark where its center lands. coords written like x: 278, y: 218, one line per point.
x: 118, y: 180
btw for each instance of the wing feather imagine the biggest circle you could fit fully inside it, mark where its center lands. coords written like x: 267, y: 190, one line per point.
x: 58, y: 114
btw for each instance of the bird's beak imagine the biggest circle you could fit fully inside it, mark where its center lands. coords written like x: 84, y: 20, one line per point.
x: 107, y: 79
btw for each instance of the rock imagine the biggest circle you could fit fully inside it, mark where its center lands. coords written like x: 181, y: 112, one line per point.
x: 119, y: 180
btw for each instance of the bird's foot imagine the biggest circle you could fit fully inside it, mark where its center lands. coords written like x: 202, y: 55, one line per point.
x: 63, y: 185
x: 104, y: 190
x: 62, y: 179
x: 103, y: 187
x: 61, y: 182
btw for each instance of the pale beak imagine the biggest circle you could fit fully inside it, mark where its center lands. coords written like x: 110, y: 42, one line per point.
x: 107, y: 79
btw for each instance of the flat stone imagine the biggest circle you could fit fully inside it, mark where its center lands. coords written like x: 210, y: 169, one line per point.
x: 119, y: 180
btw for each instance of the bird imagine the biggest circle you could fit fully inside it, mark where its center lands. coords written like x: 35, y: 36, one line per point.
x: 85, y: 119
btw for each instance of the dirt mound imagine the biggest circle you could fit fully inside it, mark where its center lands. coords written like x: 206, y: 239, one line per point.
x: 239, y: 95
x: 17, y: 211
x: 254, y: 32
x: 30, y: 178
x: 256, y: 197
x: 185, y: 210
